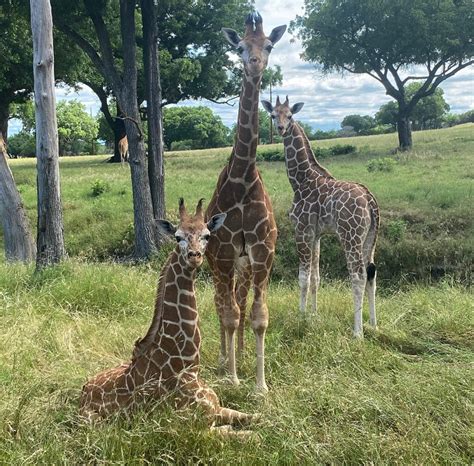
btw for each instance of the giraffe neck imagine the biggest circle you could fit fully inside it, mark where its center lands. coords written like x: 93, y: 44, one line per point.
x: 301, y: 164
x: 245, y: 146
x: 174, y: 331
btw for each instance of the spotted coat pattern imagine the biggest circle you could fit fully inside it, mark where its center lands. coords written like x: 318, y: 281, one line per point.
x: 165, y: 363
x: 322, y: 204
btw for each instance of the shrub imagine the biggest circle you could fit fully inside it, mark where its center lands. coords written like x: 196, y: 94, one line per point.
x: 277, y: 154
x: 99, y: 187
x: 22, y: 144
x: 395, y: 230
x: 186, y: 144
x: 383, y: 164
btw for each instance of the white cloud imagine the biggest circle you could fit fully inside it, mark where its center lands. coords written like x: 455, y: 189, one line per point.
x: 327, y: 99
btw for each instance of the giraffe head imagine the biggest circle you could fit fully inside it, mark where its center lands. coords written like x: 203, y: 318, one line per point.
x: 282, y: 114
x: 192, y: 233
x: 255, y: 47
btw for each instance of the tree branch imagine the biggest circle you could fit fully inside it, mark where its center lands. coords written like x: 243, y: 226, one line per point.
x: 104, y: 104
x: 223, y: 102
x: 133, y: 121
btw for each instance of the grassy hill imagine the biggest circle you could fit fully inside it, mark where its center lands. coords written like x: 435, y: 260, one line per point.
x: 427, y: 224
x: 403, y: 395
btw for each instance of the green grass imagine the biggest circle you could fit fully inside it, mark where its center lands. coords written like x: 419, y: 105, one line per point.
x: 403, y: 395
x: 430, y: 189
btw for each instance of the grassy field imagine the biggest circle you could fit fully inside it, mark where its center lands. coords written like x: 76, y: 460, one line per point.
x: 427, y: 223
x: 402, y: 396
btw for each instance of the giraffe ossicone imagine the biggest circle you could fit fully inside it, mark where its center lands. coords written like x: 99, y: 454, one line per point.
x: 322, y: 204
x: 241, y: 253
x: 165, y: 362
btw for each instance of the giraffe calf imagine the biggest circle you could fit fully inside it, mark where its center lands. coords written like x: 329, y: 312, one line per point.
x: 322, y: 204
x: 165, y: 362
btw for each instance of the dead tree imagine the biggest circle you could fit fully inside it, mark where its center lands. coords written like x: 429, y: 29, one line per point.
x: 50, y: 239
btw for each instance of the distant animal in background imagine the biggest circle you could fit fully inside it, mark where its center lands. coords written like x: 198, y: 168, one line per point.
x: 165, y: 362
x: 123, y: 149
x: 322, y: 204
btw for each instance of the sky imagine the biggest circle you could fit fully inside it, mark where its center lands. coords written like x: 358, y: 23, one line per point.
x: 328, y: 99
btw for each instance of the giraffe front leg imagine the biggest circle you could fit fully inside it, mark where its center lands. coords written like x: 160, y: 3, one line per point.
x: 304, y: 247
x: 359, y: 280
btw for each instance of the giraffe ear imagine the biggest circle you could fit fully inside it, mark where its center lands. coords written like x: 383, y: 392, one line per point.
x: 277, y: 34
x: 166, y: 227
x: 216, y: 222
x: 296, y: 107
x: 267, y: 106
x: 232, y: 37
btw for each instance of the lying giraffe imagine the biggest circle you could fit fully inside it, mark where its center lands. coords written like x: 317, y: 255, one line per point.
x: 241, y: 253
x: 323, y: 204
x: 165, y: 362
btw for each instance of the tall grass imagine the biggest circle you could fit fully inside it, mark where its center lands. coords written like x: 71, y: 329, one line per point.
x: 403, y: 395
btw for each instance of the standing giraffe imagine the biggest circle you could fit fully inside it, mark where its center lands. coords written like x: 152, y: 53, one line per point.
x: 245, y: 245
x: 123, y: 149
x: 165, y: 361
x: 323, y: 204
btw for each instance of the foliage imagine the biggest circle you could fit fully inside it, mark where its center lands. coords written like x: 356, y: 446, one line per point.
x: 22, y: 144
x: 387, y: 114
x: 372, y: 37
x: 395, y: 230
x: 382, y: 164
x: 360, y: 123
x: 429, y: 111
x: 277, y: 154
x: 75, y: 126
x: 99, y: 187
x: 401, y: 396
x: 452, y: 119
x: 198, y: 126
x: 25, y: 112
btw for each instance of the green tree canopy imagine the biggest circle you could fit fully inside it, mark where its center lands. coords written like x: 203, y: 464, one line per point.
x: 75, y: 126
x: 386, y: 39
x: 360, y: 123
x: 193, y: 128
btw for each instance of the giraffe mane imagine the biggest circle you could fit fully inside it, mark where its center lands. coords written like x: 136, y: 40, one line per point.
x: 142, y: 344
x: 311, y: 157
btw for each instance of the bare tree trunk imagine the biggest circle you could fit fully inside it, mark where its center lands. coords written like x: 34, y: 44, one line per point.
x: 153, y: 97
x: 145, y: 229
x: 19, y: 244
x: 50, y: 240
x: 4, y: 115
x: 404, y: 133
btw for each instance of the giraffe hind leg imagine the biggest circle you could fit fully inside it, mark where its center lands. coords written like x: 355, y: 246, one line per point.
x: 244, y: 277
x: 370, y: 288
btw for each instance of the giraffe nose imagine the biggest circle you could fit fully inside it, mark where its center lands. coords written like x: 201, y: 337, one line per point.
x: 254, y: 60
x: 280, y: 127
x: 196, y: 254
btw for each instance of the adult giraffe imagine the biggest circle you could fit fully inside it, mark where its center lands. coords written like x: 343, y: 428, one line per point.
x: 241, y: 253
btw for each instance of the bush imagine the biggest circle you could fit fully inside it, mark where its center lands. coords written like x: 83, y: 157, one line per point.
x: 22, y: 144
x: 277, y: 154
x: 186, y: 144
x: 99, y: 187
x: 395, y: 230
x: 383, y: 164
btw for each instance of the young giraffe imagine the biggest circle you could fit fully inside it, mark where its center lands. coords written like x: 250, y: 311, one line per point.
x: 165, y: 361
x: 245, y: 245
x: 123, y: 149
x: 323, y: 204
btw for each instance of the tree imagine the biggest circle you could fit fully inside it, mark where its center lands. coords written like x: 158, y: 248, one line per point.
x: 75, y: 125
x: 387, y: 114
x: 50, y: 240
x: 429, y: 111
x: 360, y: 123
x: 391, y: 41
x: 19, y: 243
x: 194, y: 128
x: 272, y: 76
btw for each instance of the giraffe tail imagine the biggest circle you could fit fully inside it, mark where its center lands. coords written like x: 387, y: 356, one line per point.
x: 372, y: 239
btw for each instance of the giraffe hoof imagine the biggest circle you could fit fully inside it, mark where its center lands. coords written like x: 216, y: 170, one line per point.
x: 235, y: 381
x: 358, y: 335
x: 261, y: 389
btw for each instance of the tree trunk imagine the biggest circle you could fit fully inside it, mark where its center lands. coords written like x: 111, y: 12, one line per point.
x: 19, y: 244
x: 119, y: 133
x: 153, y: 97
x: 4, y: 115
x: 404, y: 132
x: 145, y: 229
x: 50, y: 240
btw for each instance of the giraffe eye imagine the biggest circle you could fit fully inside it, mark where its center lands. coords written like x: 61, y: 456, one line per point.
x: 273, y: 116
x: 240, y: 49
x: 206, y: 237
x: 269, y: 48
x: 179, y: 239
x: 290, y: 117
